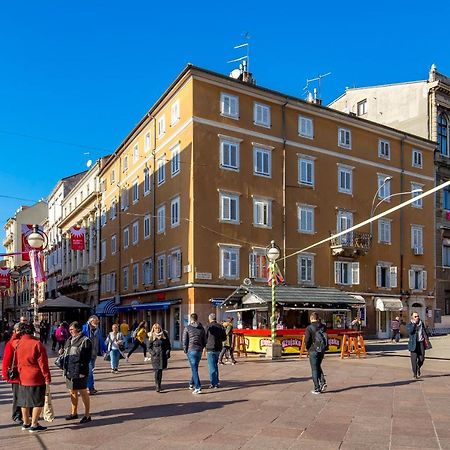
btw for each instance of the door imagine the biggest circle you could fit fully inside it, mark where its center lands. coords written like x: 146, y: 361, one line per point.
x: 176, y: 334
x: 383, y: 324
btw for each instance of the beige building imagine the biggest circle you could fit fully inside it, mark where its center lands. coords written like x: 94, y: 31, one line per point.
x: 422, y: 108
x: 219, y: 167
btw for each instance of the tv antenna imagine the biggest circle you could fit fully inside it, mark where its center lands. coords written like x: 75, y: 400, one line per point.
x: 246, y: 58
x: 306, y: 89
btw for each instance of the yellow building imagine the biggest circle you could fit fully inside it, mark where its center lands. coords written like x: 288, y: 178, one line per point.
x: 219, y: 167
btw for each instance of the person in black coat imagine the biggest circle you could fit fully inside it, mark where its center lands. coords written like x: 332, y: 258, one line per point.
x: 159, y: 348
x: 417, y: 343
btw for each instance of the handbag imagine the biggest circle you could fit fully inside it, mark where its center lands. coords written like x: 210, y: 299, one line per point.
x: 59, y: 361
x: 427, y: 344
x: 13, y: 373
x: 48, y: 414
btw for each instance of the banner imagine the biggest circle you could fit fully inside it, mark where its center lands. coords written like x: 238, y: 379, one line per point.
x: 26, y: 230
x: 77, y: 235
x: 5, y: 280
x: 37, y: 266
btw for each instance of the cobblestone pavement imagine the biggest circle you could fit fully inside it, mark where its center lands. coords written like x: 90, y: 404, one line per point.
x: 371, y: 403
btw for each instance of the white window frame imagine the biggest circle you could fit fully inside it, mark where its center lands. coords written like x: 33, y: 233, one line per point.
x: 306, y: 127
x: 113, y: 209
x: 305, y: 219
x: 384, y: 149
x: 233, y: 105
x: 161, y: 268
x: 362, y: 107
x: 417, y: 158
x: 258, y: 264
x: 125, y: 280
x: 147, y: 226
x: 348, y: 173
x: 113, y: 244
x: 417, y: 278
x: 344, y: 138
x: 305, y: 275
x: 113, y: 282
x: 346, y: 273
x: 112, y: 176
x: 229, y: 257
x: 390, y: 275
x: 103, y: 250
x: 175, y: 160
x: 147, y: 141
x: 384, y: 188
x: 263, y: 155
x: 147, y: 271
x: 125, y: 163
x: 103, y: 217
x: 262, y: 212
x: 135, y: 191
x: 417, y: 236
x: 384, y: 231
x: 226, y: 154
x: 161, y: 126
x: 305, y: 161
x: 175, y: 112
x: 126, y: 237
x: 174, y: 265
x: 261, y: 115
x: 161, y: 170
x: 419, y: 202
x: 161, y: 219
x: 124, y: 199
x: 135, y: 232
x: 175, y: 212
x: 226, y: 200
x: 147, y: 184
x: 136, y: 152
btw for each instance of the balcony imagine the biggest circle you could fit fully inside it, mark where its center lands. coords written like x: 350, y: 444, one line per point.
x: 8, y: 239
x: 353, y: 244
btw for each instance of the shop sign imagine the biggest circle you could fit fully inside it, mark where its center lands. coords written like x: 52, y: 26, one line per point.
x: 203, y: 275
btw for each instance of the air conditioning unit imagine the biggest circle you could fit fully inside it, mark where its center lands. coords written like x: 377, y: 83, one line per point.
x: 418, y: 250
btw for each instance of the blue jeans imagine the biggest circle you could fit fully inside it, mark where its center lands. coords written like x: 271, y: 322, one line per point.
x: 213, y: 367
x: 90, y: 383
x: 115, y: 355
x: 315, y: 359
x: 194, y: 358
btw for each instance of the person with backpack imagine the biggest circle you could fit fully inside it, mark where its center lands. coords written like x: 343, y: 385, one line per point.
x: 214, y: 336
x: 139, y: 335
x: 316, y: 342
x: 61, y: 335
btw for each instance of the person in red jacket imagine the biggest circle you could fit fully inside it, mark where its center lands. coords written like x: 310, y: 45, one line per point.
x: 7, y: 364
x: 34, y: 375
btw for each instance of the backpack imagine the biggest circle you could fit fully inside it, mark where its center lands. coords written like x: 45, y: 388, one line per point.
x: 320, y: 343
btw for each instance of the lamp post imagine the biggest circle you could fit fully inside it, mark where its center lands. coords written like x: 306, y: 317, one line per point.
x: 273, y: 253
x: 14, y: 274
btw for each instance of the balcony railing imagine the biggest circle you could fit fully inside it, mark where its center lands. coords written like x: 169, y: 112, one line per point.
x: 352, y: 243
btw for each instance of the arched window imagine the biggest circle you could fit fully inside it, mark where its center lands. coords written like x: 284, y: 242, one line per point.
x: 442, y: 137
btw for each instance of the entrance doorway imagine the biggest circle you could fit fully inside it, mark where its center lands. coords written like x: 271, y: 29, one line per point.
x: 383, y: 324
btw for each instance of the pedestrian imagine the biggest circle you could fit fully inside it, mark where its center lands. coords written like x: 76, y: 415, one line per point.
x: 139, y: 340
x: 356, y: 324
x: 61, y: 335
x: 115, y: 346
x: 125, y: 330
x: 92, y: 331
x: 77, y: 357
x: 214, y: 335
x: 43, y: 331
x: 417, y: 343
x: 395, y: 329
x: 53, y: 329
x: 34, y: 376
x: 194, y: 340
x: 228, y: 347
x: 159, y: 349
x: 316, y: 344
x: 10, y: 374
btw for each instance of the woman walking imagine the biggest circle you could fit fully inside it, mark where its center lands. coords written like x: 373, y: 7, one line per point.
x: 115, y: 345
x: 61, y: 335
x: 139, y: 340
x: 159, y: 348
x: 77, y: 355
x: 417, y: 344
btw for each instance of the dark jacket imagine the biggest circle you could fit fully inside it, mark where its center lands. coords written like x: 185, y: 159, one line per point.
x: 159, y: 350
x: 78, y: 352
x: 95, y: 333
x: 414, y: 336
x: 228, y: 342
x: 310, y: 334
x: 194, y: 337
x: 215, y: 335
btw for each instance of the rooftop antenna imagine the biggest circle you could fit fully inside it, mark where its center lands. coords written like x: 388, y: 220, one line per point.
x: 306, y: 89
x: 246, y: 58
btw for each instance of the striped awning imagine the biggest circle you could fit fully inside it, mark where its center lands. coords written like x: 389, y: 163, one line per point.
x: 106, y: 308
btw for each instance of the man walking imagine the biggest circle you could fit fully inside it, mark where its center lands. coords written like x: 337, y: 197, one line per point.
x: 194, y: 340
x: 417, y: 344
x: 395, y: 329
x: 228, y: 342
x: 125, y: 330
x: 92, y: 331
x: 316, y: 344
x: 215, y: 335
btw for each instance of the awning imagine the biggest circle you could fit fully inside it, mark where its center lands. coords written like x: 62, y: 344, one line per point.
x: 388, y: 304
x: 61, y: 303
x: 106, y: 308
x: 149, y: 306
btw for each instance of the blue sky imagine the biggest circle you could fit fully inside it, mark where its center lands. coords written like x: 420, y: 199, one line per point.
x: 76, y: 77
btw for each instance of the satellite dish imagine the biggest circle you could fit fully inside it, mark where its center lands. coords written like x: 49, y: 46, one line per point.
x: 236, y: 73
x: 89, y: 163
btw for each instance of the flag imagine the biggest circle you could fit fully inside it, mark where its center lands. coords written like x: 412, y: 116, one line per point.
x: 77, y: 235
x: 5, y: 279
x: 279, y: 279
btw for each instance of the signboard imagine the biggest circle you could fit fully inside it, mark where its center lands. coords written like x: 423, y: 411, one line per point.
x: 77, y: 235
x: 203, y: 275
x: 5, y: 280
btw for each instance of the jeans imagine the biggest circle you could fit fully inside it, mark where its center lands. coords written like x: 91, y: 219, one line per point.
x: 115, y: 355
x: 395, y: 334
x: 138, y: 343
x: 90, y: 383
x: 227, y: 349
x: 315, y: 359
x: 213, y: 367
x: 418, y: 358
x: 194, y: 358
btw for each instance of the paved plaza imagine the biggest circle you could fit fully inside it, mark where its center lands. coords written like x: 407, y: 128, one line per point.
x: 371, y: 403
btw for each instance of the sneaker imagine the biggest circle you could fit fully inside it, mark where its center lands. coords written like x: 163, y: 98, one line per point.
x: 126, y: 359
x: 85, y: 419
x: 197, y: 391
x: 92, y: 391
x: 234, y: 363
x: 37, y: 429
x: 26, y: 427
x: 72, y: 417
x: 191, y: 387
x: 323, y: 388
x: 315, y: 392
x: 112, y: 370
x: 116, y: 370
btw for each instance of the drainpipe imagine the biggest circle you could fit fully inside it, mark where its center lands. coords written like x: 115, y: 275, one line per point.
x: 283, y: 133
x: 402, y: 234
x: 154, y: 201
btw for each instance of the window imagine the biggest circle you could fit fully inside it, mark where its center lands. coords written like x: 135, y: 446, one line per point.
x: 136, y: 153
x: 305, y: 269
x: 229, y: 262
x: 113, y: 210
x: 125, y: 163
x: 125, y: 278
x: 306, y: 171
x: 113, y: 282
x: 229, y: 207
x: 126, y: 237
x: 384, y: 187
x: 147, y: 272
x: 257, y: 265
x: 446, y: 198
x: 345, y: 179
x: 161, y: 268
x: 346, y: 272
x: 103, y: 283
x: 175, y: 212
x: 417, y: 239
x: 229, y: 105
x: 135, y: 275
x: 344, y: 138
x: 103, y: 250
x: 384, y: 149
x: 174, y: 265
x: 384, y: 231
x: 306, y: 127
x: 135, y: 191
x: 262, y: 161
x: 261, y: 115
x: 386, y: 275
x: 305, y: 219
x: 416, y: 190
x: 161, y: 219
x: 175, y: 112
x: 262, y: 212
x: 113, y: 244
x: 146, y: 181
x: 442, y: 133
x: 417, y: 278
x: 446, y: 252
x: 135, y: 232
x: 146, y: 226
x: 147, y: 141
x: 361, y: 107
x: 112, y: 176
x: 344, y: 221
x: 417, y: 158
x: 124, y: 199
x: 175, y: 160
x: 161, y: 170
x: 103, y: 217
x: 229, y: 154
x: 161, y: 126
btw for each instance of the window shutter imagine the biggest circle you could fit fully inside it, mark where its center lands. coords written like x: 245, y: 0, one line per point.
x: 337, y: 273
x: 424, y: 279
x: 355, y: 273
x: 178, y: 264
x: 252, y: 265
x: 169, y: 266
x: 411, y: 278
x: 378, y: 275
x: 393, y: 273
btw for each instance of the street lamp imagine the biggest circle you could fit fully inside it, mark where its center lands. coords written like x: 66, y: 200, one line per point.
x: 14, y: 275
x: 273, y: 253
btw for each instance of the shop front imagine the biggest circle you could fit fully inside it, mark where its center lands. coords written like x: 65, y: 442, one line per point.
x: 387, y: 308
